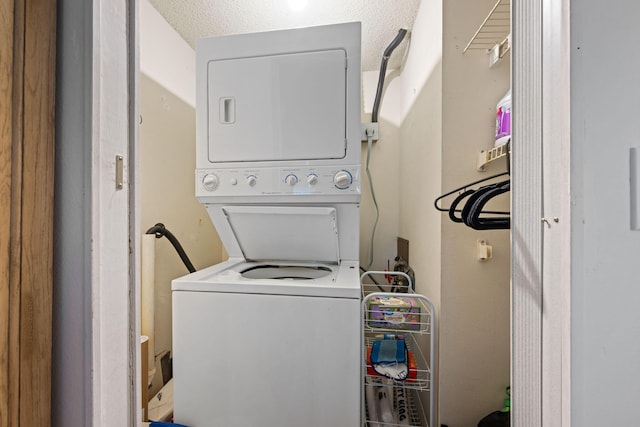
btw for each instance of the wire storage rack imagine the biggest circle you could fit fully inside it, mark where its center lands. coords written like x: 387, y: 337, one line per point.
x: 410, y: 317
x: 494, y: 30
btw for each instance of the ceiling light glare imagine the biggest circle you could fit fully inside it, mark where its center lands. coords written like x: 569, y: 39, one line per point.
x: 297, y: 5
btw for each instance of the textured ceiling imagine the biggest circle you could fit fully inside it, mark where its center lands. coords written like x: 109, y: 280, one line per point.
x: 381, y: 20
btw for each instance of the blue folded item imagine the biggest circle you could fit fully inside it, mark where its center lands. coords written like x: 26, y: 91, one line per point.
x: 389, y: 351
x: 389, y: 358
x: 164, y: 424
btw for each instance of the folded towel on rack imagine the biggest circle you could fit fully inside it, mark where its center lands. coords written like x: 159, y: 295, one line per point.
x: 411, y: 366
x: 395, y: 371
x: 389, y: 350
x: 389, y: 358
x: 164, y: 424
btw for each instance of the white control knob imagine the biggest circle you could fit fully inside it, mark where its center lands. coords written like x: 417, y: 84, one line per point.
x: 252, y: 180
x: 312, y: 179
x: 233, y: 181
x: 210, y: 182
x: 291, y: 179
x: 342, y: 179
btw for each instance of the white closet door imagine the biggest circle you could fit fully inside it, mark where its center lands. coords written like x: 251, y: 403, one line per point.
x: 526, y: 228
x: 556, y: 247
x: 541, y: 224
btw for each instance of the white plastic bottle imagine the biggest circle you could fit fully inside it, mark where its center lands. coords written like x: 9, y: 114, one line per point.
x: 503, y: 120
x: 372, y: 406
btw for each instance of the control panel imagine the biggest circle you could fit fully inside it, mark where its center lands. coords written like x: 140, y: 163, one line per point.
x: 278, y: 181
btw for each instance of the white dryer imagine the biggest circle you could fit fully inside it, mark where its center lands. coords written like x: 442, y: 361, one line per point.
x: 271, y: 337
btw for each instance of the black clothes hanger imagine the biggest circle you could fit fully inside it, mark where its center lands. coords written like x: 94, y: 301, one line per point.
x: 473, y: 208
x: 478, y: 194
x: 454, y: 205
x: 465, y: 188
x: 479, y: 198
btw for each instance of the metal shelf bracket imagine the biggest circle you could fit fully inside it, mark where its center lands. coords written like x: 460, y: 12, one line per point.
x: 488, y: 156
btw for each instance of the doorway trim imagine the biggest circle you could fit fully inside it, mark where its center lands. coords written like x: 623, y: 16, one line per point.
x: 526, y: 228
x: 115, y: 337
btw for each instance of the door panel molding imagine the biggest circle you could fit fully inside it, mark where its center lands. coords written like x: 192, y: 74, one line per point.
x: 526, y: 233
x: 27, y: 136
x: 541, y: 225
x: 6, y: 136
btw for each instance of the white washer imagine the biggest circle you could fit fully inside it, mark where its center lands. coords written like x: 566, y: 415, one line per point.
x: 271, y: 337
x: 267, y: 352
x: 273, y: 342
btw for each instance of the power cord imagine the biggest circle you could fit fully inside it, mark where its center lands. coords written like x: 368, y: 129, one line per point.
x: 374, y: 118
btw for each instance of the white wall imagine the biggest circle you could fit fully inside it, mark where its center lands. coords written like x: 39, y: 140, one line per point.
x: 421, y: 170
x: 165, y: 56
x: 474, y: 315
x: 384, y: 166
x: 393, y: 157
x: 167, y: 163
x: 605, y: 372
x: 421, y: 136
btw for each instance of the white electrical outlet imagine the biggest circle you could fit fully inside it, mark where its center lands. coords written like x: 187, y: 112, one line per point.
x: 369, y: 129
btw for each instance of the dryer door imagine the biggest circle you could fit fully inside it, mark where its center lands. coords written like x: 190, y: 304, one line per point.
x: 277, y: 107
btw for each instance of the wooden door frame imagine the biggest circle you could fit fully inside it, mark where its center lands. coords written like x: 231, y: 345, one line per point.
x: 27, y: 136
x: 7, y: 384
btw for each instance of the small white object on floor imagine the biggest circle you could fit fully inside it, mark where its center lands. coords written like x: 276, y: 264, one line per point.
x: 161, y: 406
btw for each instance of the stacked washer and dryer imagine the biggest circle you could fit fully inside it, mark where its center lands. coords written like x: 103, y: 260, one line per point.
x: 271, y: 337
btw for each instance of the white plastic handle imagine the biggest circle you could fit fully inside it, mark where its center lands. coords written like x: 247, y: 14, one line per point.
x: 227, y: 110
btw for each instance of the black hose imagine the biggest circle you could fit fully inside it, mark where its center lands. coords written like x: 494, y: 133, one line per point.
x: 383, y: 70
x: 160, y: 230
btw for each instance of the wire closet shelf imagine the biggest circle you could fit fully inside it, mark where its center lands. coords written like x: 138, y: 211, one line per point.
x: 494, y: 30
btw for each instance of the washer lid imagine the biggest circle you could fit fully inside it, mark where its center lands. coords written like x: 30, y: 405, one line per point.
x: 292, y: 233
